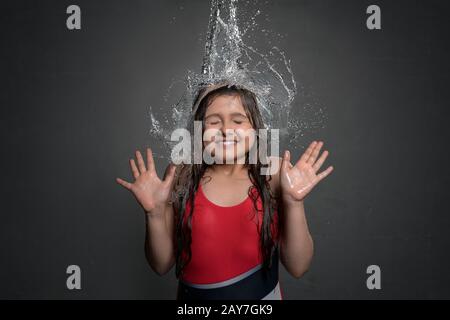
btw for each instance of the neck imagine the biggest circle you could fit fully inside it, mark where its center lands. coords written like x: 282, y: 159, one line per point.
x: 234, y: 169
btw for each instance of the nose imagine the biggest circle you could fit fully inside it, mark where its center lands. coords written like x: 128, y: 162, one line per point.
x: 228, y: 130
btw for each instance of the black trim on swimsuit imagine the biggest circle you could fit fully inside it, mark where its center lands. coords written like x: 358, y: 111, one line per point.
x: 254, y: 287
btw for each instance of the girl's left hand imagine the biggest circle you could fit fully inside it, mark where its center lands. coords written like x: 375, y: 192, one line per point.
x: 297, y: 181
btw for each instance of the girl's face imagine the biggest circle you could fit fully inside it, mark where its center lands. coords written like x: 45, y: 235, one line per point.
x: 228, y: 130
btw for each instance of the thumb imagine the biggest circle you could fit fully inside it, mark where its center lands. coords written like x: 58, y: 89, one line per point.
x: 169, y: 174
x: 286, y: 161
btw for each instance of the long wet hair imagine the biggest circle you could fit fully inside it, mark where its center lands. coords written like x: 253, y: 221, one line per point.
x: 188, y: 178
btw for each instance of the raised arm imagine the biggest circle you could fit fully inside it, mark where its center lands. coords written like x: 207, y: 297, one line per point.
x: 295, y: 182
x: 153, y: 195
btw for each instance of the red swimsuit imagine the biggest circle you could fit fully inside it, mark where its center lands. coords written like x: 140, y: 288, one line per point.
x: 226, y: 258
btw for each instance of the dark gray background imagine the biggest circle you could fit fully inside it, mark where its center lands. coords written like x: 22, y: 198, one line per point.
x: 74, y: 107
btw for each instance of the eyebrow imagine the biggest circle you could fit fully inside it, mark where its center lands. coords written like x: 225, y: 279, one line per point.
x: 232, y: 114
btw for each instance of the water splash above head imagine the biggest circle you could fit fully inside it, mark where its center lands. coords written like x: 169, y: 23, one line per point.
x: 229, y: 60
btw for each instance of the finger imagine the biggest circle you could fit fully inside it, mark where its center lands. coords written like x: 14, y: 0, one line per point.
x: 314, y: 153
x: 124, y: 183
x: 140, y: 162
x: 170, y: 174
x: 325, y: 173
x: 134, y: 169
x: 167, y: 171
x: 305, y: 156
x: 150, y: 161
x: 320, y: 161
x: 286, y: 161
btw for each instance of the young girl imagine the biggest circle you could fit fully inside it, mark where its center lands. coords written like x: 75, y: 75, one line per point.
x: 225, y: 226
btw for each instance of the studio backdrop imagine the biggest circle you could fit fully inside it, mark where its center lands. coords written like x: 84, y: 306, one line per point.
x: 84, y: 84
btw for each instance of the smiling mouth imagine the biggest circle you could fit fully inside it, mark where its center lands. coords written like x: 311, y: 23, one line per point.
x: 227, y: 142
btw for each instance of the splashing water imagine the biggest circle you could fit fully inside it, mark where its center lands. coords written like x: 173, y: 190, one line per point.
x: 228, y: 58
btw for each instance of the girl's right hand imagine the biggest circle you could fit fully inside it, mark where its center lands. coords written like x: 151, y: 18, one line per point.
x: 148, y: 189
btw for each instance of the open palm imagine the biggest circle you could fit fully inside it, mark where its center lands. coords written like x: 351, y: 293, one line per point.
x: 149, y: 190
x: 298, y: 180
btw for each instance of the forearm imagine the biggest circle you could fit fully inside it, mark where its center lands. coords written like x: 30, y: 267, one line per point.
x: 159, y: 248
x: 296, y: 241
